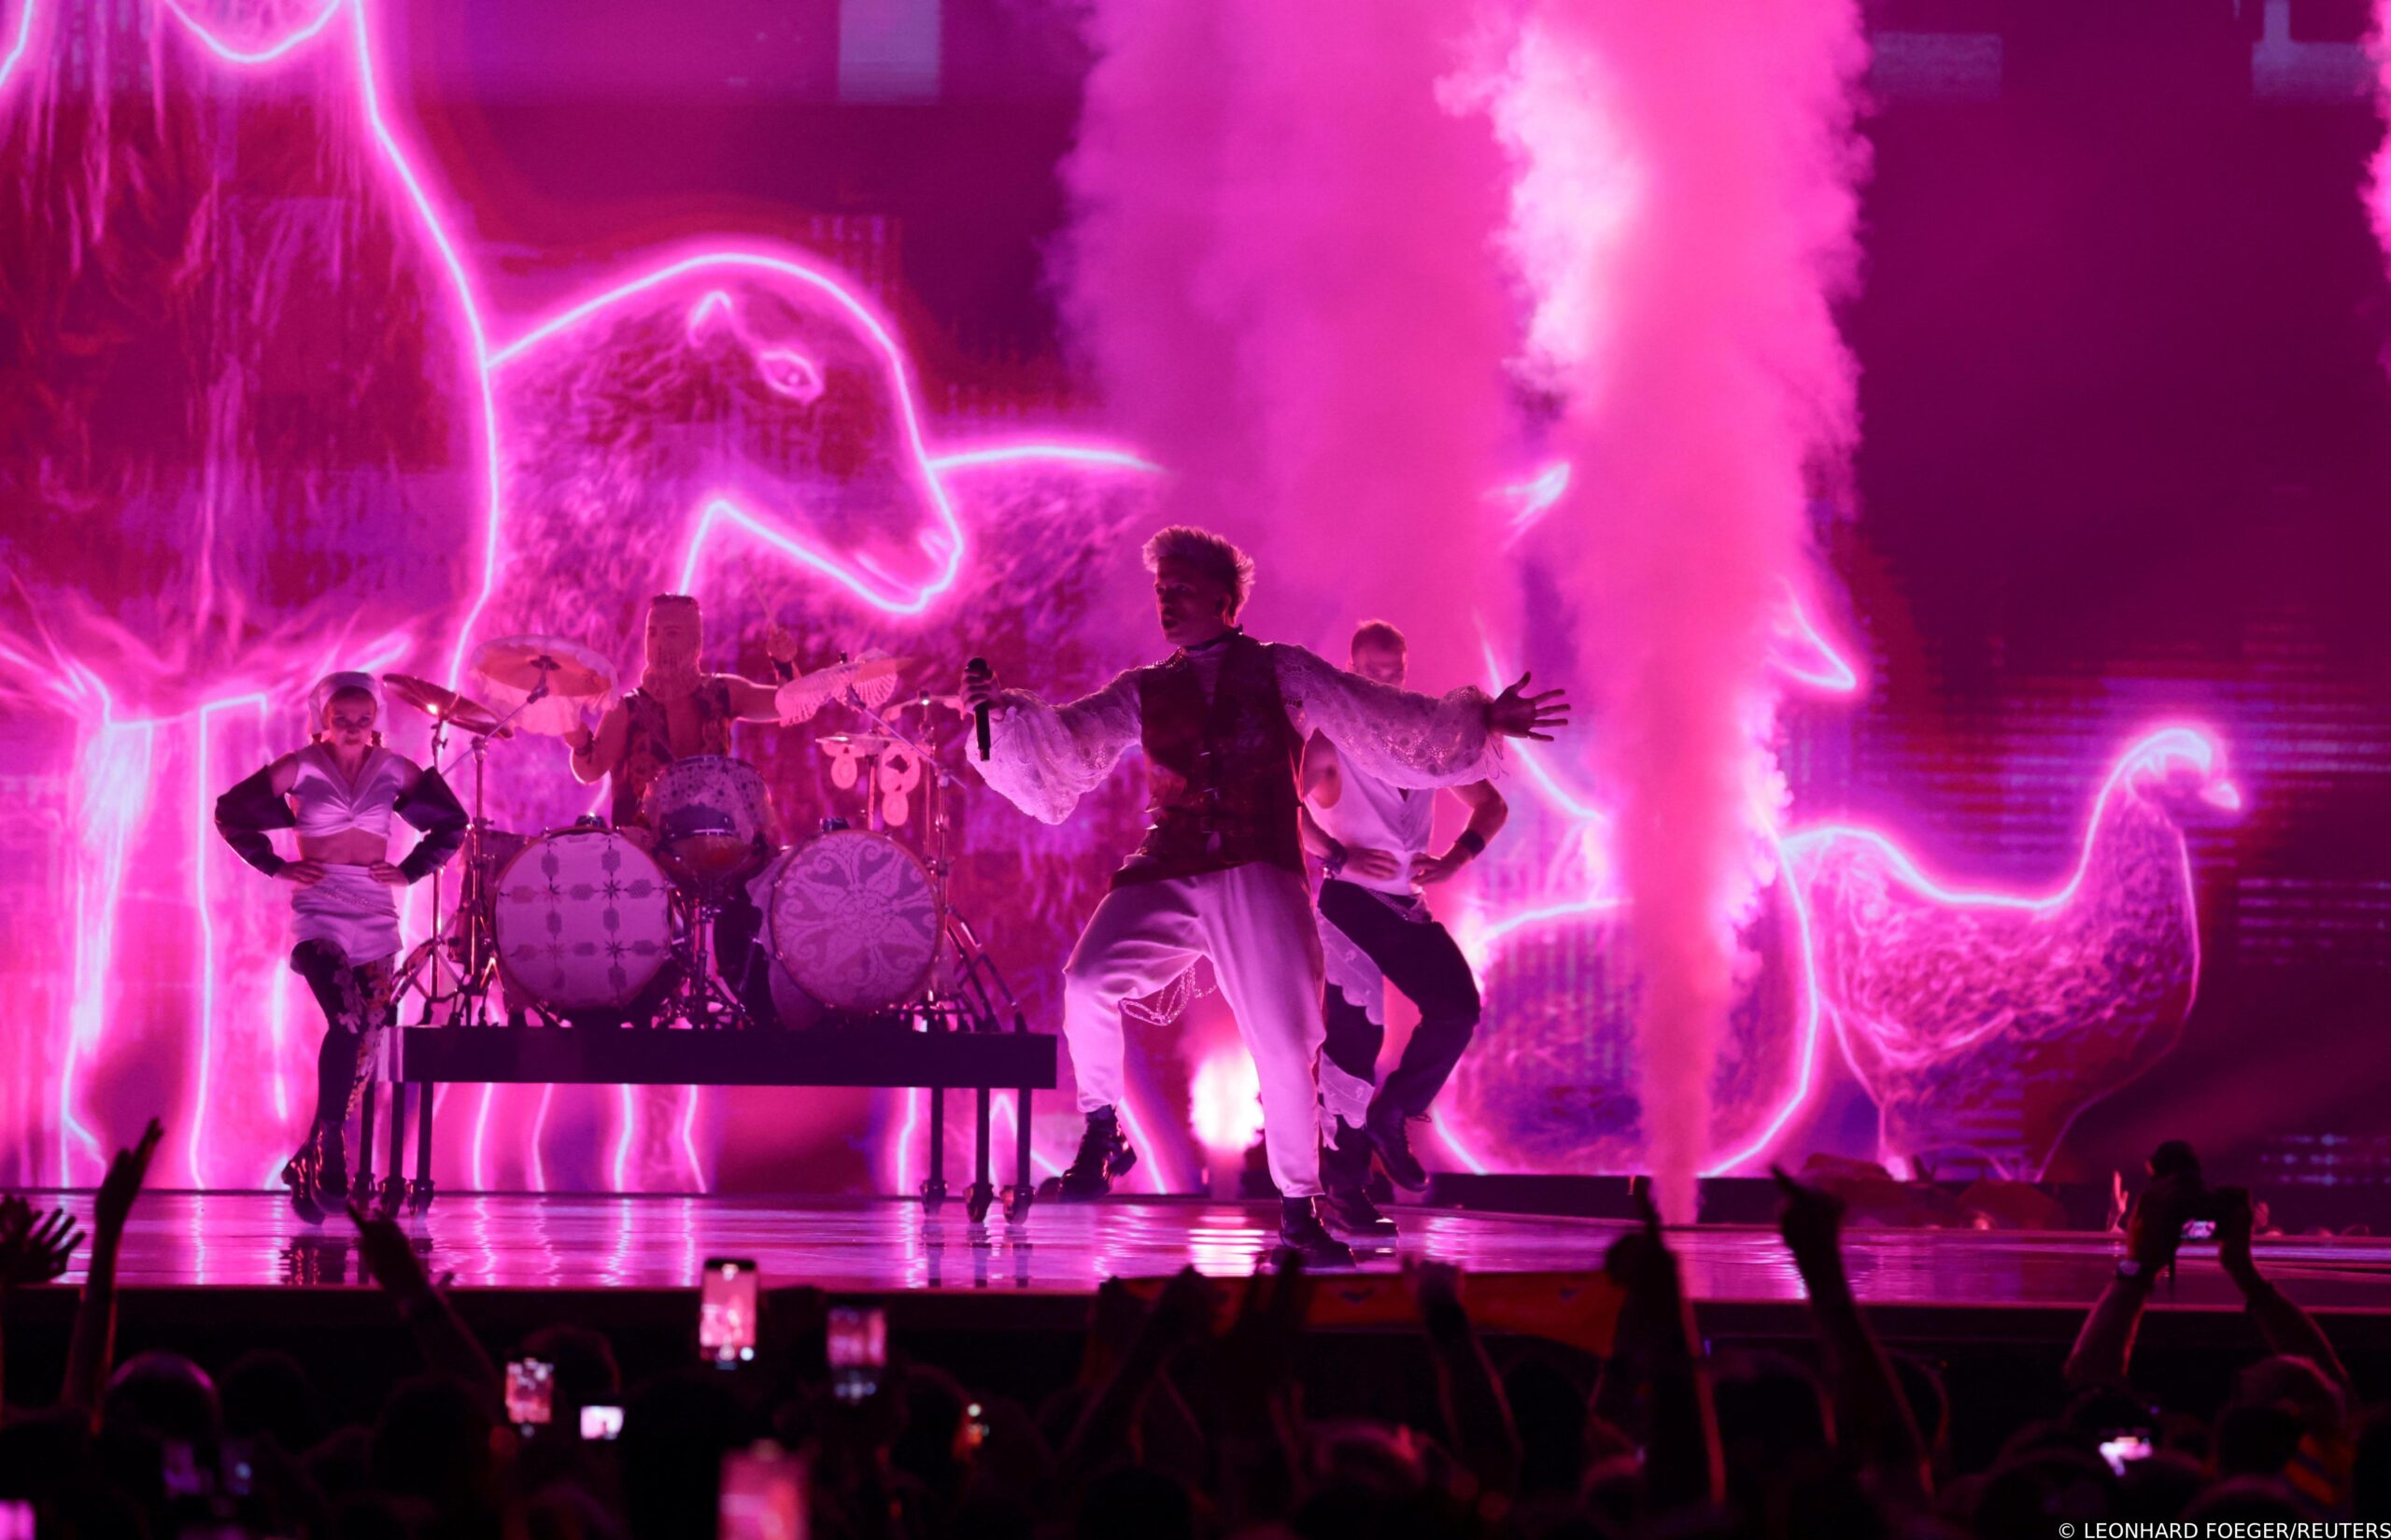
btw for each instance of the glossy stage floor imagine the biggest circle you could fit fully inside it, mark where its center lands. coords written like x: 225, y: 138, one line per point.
x: 241, y: 1256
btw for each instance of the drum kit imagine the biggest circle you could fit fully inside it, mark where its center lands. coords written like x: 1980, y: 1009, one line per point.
x: 591, y: 924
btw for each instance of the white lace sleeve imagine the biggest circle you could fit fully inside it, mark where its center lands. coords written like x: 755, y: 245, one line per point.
x: 1043, y: 758
x: 1405, y: 740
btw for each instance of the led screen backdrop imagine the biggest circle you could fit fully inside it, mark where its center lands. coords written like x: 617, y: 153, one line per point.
x: 344, y: 335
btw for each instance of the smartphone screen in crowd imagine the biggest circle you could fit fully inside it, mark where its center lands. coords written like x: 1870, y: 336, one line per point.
x: 858, y: 1351
x: 531, y: 1392
x: 763, y: 1496
x: 601, y: 1423
x: 2124, y: 1450
x: 728, y: 1295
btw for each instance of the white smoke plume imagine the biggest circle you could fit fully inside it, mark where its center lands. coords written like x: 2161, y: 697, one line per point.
x: 1683, y: 215
x: 1282, y: 271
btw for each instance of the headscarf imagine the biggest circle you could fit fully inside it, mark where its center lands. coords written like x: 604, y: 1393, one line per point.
x: 346, y: 682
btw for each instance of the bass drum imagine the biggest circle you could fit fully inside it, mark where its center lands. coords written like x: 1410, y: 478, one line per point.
x: 584, y: 918
x: 855, y: 925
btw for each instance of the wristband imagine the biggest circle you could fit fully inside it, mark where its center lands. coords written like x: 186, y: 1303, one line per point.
x: 1471, y: 841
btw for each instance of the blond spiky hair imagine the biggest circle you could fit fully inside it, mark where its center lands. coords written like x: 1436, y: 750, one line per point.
x: 1208, y: 553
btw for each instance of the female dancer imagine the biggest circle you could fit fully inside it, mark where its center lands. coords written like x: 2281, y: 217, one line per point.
x: 339, y: 793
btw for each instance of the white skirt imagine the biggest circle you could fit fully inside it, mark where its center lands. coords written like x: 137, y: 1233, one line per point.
x: 350, y: 910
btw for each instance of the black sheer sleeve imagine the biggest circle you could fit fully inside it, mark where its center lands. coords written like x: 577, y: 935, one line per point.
x: 432, y: 808
x: 245, y: 814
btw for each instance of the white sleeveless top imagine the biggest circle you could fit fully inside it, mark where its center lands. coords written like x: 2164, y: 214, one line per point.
x: 326, y: 803
x: 1373, y: 813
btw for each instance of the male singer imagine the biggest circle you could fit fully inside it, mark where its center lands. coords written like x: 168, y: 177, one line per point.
x: 1220, y: 874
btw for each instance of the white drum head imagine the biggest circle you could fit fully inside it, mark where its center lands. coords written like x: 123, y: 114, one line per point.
x: 854, y: 921
x: 584, y: 920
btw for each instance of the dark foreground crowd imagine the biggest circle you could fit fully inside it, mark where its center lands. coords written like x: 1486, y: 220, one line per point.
x: 1188, y: 1418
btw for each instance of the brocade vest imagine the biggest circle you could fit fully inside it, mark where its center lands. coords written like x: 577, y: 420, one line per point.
x: 647, y: 747
x: 1221, y: 776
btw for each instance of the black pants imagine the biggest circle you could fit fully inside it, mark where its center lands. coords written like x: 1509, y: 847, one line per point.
x: 355, y: 997
x: 739, y: 955
x: 1418, y: 957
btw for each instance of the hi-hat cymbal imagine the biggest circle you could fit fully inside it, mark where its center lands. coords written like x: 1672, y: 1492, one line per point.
x: 442, y: 704
x: 524, y: 663
x: 873, y: 677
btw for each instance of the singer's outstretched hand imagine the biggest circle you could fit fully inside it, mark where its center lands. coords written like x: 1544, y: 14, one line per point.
x: 979, y: 687
x: 1516, y: 714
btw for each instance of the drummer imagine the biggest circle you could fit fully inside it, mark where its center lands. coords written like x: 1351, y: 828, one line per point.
x: 676, y: 712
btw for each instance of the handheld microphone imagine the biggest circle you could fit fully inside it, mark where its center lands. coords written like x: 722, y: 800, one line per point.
x: 980, y: 711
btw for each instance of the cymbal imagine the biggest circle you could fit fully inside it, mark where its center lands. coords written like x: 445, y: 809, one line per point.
x: 507, y: 670
x: 854, y: 744
x: 524, y: 663
x: 873, y: 677
x: 439, y: 703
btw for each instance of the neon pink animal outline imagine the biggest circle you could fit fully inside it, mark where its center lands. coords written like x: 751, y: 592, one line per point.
x: 1927, y: 982
x: 96, y: 936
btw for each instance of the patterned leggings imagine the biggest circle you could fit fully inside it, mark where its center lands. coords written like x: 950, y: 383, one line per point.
x: 357, y: 1002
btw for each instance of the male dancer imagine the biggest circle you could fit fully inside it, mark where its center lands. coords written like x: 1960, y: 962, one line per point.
x: 1220, y: 874
x: 1372, y: 838
x: 677, y: 712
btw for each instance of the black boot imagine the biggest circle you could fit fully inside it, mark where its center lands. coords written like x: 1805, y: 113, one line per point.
x: 1301, y: 1232
x: 1352, y: 1216
x: 1104, y: 1156
x: 332, y: 1171
x: 1392, y: 1141
x: 302, y: 1173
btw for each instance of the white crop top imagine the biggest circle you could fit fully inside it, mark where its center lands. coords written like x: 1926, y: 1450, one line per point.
x: 326, y: 803
x: 1371, y: 813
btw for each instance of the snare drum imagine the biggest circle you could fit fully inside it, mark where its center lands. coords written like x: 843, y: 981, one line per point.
x: 854, y: 921
x: 584, y: 920
x: 710, y: 817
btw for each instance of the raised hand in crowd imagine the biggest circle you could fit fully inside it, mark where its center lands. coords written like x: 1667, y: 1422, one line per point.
x: 391, y: 1259
x: 1128, y: 1348
x: 90, y: 1349
x: 2153, y: 1234
x: 1656, y: 1360
x: 2288, y: 1329
x: 1477, y: 1415
x: 34, y: 1248
x: 1873, y: 1417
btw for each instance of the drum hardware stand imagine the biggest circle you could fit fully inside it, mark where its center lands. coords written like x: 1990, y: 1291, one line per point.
x: 702, y: 1000
x: 431, y: 957
x: 436, y: 954
x: 956, y: 1007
